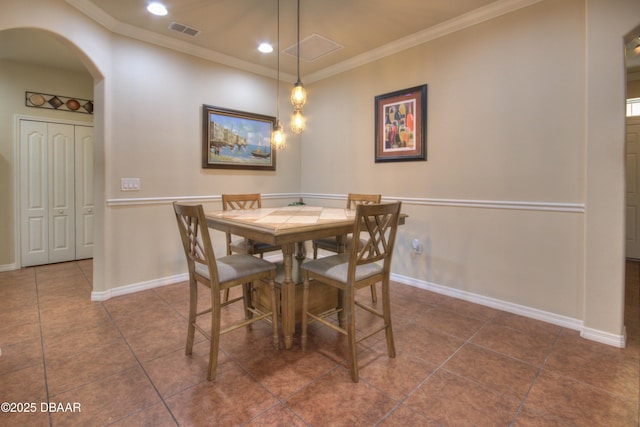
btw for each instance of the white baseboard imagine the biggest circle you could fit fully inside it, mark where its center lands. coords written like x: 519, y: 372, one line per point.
x: 555, y: 319
x: 137, y: 287
x: 8, y: 267
x: 605, y: 337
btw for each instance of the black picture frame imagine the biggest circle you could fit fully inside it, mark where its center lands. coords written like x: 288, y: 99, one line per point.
x: 233, y: 139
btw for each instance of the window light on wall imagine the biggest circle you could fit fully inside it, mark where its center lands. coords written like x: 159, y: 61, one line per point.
x: 633, y: 107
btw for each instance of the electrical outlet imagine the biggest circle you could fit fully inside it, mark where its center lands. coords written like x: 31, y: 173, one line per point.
x: 416, y: 246
x: 130, y: 184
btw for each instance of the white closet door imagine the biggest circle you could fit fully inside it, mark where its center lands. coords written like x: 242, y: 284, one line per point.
x: 56, y: 192
x: 84, y: 192
x: 34, y: 194
x: 633, y: 188
x: 61, y: 192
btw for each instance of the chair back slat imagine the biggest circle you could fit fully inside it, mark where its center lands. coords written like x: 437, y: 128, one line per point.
x: 354, y: 200
x: 377, y: 225
x: 241, y: 201
x: 196, y: 240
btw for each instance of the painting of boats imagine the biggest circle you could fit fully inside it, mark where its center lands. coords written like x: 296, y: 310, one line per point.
x: 260, y: 153
x: 237, y: 140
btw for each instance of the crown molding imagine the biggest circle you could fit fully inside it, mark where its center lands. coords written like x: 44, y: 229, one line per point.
x: 117, y: 27
x: 493, y: 10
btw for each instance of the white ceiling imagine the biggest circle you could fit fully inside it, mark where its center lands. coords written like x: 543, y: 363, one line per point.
x: 230, y: 30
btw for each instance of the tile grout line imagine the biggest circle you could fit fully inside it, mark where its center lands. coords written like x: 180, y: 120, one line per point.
x: 241, y: 367
x: 115, y: 324
x: 535, y: 378
x: 437, y: 369
x: 44, y: 358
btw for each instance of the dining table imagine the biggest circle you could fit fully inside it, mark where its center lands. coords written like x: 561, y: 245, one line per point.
x: 288, y: 227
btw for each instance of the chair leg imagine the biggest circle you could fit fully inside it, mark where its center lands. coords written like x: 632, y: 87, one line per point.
x: 315, y: 251
x: 247, y: 296
x: 225, y: 298
x: 193, y: 308
x: 274, y: 314
x: 215, y: 338
x: 350, y: 327
x: 305, y: 308
x: 341, y: 313
x: 374, y: 293
x: 386, y: 311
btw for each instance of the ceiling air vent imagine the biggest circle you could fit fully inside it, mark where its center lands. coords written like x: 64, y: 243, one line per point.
x: 181, y: 28
x: 313, y: 47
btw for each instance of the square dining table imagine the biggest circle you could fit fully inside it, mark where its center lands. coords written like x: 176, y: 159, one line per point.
x: 288, y: 227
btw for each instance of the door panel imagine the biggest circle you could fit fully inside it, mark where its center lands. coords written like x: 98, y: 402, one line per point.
x: 61, y: 193
x: 34, y: 229
x: 84, y: 191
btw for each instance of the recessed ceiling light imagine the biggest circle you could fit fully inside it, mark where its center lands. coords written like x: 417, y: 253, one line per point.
x: 265, y: 48
x: 157, y: 9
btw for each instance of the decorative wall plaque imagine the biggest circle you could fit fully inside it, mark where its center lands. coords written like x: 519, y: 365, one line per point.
x: 58, y: 102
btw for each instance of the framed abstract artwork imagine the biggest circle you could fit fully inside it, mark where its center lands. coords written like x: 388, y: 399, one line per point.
x: 401, y: 125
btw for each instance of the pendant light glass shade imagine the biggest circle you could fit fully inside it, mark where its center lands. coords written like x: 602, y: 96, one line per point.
x: 297, y: 121
x: 298, y: 95
x: 278, y: 138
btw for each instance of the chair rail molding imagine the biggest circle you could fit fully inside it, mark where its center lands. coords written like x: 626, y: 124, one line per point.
x: 420, y: 201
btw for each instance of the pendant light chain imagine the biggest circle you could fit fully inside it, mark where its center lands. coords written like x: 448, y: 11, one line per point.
x: 298, y: 95
x: 298, y: 41
x: 278, y: 138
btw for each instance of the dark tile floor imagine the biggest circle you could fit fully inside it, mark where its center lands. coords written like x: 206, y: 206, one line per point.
x: 122, y: 362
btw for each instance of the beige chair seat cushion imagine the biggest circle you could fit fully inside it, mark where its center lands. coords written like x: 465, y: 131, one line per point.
x: 336, y: 267
x: 234, y: 266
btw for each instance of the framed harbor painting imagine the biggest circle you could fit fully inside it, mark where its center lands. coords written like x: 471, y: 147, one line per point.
x: 401, y: 125
x: 234, y: 139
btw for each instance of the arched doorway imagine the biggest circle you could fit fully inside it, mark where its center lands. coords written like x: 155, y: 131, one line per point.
x: 34, y: 60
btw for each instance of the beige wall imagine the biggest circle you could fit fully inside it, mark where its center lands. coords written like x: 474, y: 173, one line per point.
x: 504, y: 114
x: 520, y: 201
x: 505, y: 123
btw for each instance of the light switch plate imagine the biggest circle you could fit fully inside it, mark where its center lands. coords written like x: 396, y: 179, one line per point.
x: 130, y: 184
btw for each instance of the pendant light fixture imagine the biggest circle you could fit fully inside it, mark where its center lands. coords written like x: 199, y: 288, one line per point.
x: 298, y: 94
x: 278, y: 138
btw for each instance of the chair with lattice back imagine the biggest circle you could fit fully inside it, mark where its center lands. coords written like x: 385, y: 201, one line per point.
x: 242, y: 245
x: 332, y: 243
x: 361, y: 266
x: 218, y: 275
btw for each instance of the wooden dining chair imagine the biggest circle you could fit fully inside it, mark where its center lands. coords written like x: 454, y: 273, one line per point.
x: 218, y: 275
x: 242, y: 245
x: 348, y: 272
x: 331, y: 244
